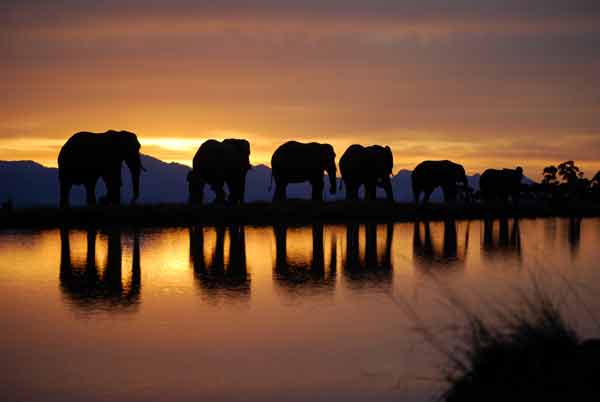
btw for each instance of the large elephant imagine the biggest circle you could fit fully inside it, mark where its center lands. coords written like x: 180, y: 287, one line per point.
x: 448, y: 175
x: 369, y: 166
x: 86, y: 157
x: 296, y: 162
x: 495, y: 184
x: 218, y: 163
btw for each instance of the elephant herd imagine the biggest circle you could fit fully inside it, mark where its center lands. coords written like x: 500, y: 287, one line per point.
x: 87, y: 157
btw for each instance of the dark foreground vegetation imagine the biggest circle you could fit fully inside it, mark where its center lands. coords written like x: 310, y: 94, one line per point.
x: 529, y: 354
x: 293, y: 211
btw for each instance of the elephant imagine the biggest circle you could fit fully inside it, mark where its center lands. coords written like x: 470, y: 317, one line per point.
x: 501, y: 184
x: 446, y: 174
x: 296, y: 162
x: 369, y: 166
x: 218, y: 163
x: 86, y: 157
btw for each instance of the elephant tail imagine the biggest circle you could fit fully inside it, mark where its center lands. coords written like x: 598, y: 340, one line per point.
x: 271, y: 183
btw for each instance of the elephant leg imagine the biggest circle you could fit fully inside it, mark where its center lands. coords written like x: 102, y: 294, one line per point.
x: 197, y: 193
x: 280, y: 190
x: 235, y: 191
x: 387, y: 186
x: 113, y: 189
x: 416, y: 195
x: 114, y: 194
x: 449, y: 193
x: 65, y: 189
x: 351, y: 191
x: 219, y: 193
x: 317, y: 189
x: 427, y: 194
x: 370, y: 191
x: 90, y: 192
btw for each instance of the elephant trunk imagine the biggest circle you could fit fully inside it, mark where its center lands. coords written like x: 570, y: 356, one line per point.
x: 387, y: 186
x: 135, y: 168
x: 331, y: 171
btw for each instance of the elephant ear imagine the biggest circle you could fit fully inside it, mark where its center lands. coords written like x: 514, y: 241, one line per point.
x: 244, y: 147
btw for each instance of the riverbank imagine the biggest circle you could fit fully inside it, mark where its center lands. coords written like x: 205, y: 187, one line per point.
x: 294, y: 212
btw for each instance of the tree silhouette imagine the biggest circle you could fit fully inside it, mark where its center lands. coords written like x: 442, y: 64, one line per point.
x: 549, y: 175
x: 569, y: 172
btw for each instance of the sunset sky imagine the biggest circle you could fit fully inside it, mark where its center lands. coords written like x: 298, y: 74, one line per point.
x: 494, y: 83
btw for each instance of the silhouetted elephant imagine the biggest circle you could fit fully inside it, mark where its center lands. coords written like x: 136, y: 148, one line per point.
x: 214, y: 276
x: 218, y: 163
x: 88, y: 289
x: 295, y: 162
x: 377, y: 266
x: 86, y: 157
x: 495, y: 184
x: 369, y: 166
x: 445, y: 174
x: 298, y: 276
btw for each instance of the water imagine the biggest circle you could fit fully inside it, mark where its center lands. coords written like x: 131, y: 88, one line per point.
x: 280, y: 313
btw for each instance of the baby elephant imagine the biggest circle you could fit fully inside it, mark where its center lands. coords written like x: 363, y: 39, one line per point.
x: 367, y: 166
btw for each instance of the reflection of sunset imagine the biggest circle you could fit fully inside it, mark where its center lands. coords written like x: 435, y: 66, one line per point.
x: 253, y: 326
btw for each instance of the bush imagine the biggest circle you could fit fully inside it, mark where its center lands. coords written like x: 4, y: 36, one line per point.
x: 528, y: 355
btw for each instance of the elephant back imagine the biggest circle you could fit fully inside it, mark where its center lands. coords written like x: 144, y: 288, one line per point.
x: 301, y: 161
x: 80, y: 146
x: 236, y: 154
x: 380, y: 158
x: 209, y: 157
x: 352, y: 160
x: 434, y: 173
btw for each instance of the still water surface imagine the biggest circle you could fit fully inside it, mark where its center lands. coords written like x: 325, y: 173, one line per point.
x: 320, y: 313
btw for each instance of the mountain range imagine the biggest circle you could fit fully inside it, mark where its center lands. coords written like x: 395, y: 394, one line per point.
x: 27, y: 183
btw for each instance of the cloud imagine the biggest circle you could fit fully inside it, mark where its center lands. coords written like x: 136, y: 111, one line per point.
x: 461, y: 80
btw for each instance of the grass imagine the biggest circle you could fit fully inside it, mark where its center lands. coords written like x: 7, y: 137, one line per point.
x: 293, y: 211
x: 528, y: 354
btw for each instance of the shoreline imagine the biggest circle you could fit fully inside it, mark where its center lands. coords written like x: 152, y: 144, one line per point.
x: 291, y: 212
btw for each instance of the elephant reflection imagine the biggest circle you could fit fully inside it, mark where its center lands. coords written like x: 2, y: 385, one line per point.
x: 214, y: 276
x: 508, y: 241
x: 375, y: 267
x: 92, y: 289
x: 428, y: 255
x: 574, y: 235
x: 296, y: 275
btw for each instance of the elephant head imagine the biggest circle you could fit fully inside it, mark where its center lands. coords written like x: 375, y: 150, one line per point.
x: 243, y: 149
x: 127, y: 148
x: 461, y: 178
x: 389, y: 160
x: 328, y: 163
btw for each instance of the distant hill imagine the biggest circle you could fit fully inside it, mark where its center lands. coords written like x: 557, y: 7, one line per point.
x: 28, y: 183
